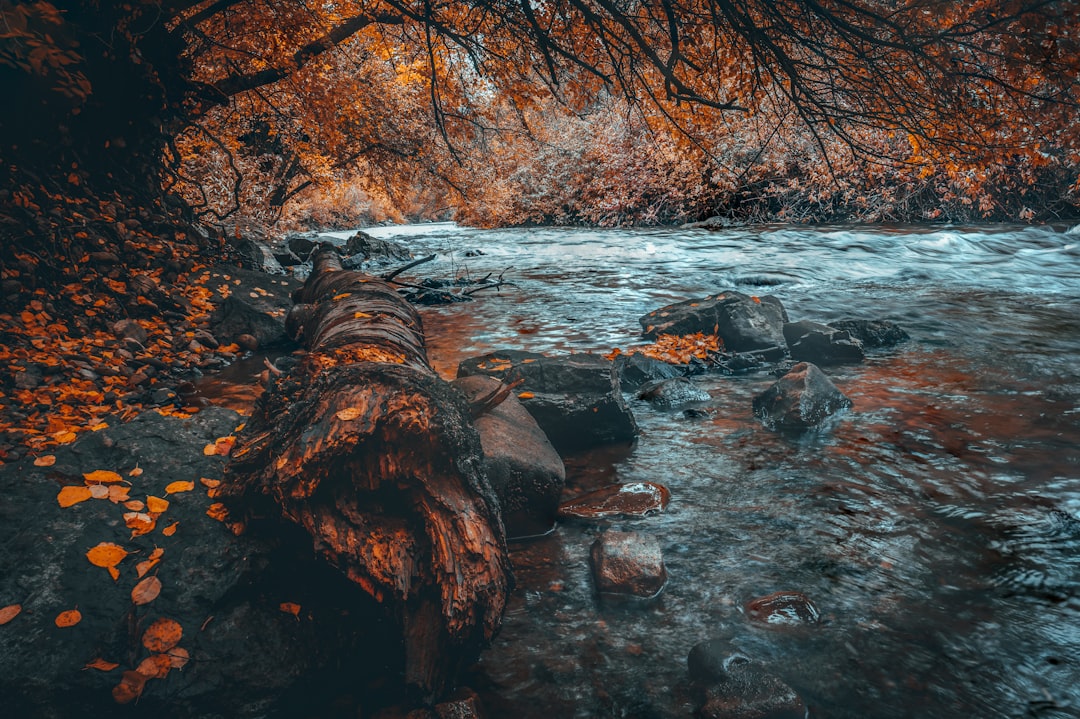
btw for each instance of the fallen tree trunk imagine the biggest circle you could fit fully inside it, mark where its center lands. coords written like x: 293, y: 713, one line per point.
x: 366, y: 448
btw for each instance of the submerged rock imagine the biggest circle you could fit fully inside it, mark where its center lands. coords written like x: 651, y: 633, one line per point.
x: 525, y: 471
x: 574, y: 398
x: 783, y: 608
x: 628, y: 564
x: 801, y: 399
x: 821, y: 344
x: 635, y: 499
x: 734, y: 686
x: 873, y: 333
x: 674, y: 393
x: 742, y: 322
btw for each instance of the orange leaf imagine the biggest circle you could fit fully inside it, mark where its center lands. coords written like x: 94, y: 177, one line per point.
x: 290, y: 608
x: 217, y: 511
x: 180, y: 486
x: 349, y: 413
x: 179, y: 657
x: 135, y: 472
x: 210, y: 450
x: 129, y: 688
x: 47, y: 460
x: 171, y: 529
x: 156, y: 505
x: 119, y: 493
x: 99, y: 491
x: 102, y: 476
x: 69, y: 618
x: 72, y: 495
x: 101, y: 665
x: 155, y: 666
x: 146, y: 591
x: 150, y: 562
x: 106, y: 554
x: 9, y: 612
x: 139, y: 522
x: 526, y: 395
x: 224, y: 445
x: 64, y: 437
x: 162, y: 635
x: 211, y: 483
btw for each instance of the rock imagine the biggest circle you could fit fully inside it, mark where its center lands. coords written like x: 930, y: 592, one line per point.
x: 634, y: 370
x: 285, y: 256
x: 130, y: 330
x: 465, y: 704
x: 873, y: 333
x: 162, y: 395
x: 574, y: 398
x: 780, y: 608
x: 248, y: 657
x: 821, y: 344
x: 376, y: 250
x: 734, y: 686
x: 674, y: 393
x: 236, y: 317
x: 629, y: 564
x: 801, y: 399
x: 27, y: 379
x: 743, y: 322
x: 525, y: 471
x: 259, y: 257
x: 247, y: 342
x: 634, y: 499
x: 301, y: 246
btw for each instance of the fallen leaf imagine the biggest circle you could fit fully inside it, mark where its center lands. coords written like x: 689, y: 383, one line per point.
x: 47, y: 460
x: 526, y: 395
x: 139, y: 523
x: 179, y: 486
x: 290, y: 608
x: 102, y: 476
x: 162, y: 635
x: 217, y: 511
x: 224, y: 445
x: 9, y: 612
x: 65, y: 437
x: 349, y: 413
x: 171, y: 529
x: 69, y: 496
x: 210, y: 450
x: 156, y: 505
x: 211, y: 483
x: 130, y: 687
x: 146, y: 591
x: 119, y: 493
x: 99, y: 491
x: 147, y: 564
x: 101, y: 665
x: 135, y: 472
x: 155, y: 666
x: 106, y: 554
x: 179, y: 657
x: 69, y: 618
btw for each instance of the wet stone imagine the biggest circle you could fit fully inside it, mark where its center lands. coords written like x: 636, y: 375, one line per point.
x: 801, y: 399
x: 734, y: 686
x: 742, y: 322
x: 634, y: 499
x: 873, y: 333
x: 635, y: 370
x: 783, y: 608
x: 674, y: 393
x: 628, y: 564
x: 821, y: 344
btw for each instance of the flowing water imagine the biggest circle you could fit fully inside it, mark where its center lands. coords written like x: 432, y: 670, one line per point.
x: 936, y: 527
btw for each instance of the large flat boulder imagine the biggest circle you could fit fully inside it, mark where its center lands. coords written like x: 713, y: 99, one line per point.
x: 821, y: 344
x: 742, y: 322
x: 574, y: 398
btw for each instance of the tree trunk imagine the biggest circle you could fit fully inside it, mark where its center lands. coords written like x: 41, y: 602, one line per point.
x: 374, y: 455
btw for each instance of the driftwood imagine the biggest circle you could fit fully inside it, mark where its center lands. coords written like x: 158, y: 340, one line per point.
x: 375, y: 456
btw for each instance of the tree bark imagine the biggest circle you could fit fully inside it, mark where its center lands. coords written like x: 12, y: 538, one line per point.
x: 366, y: 448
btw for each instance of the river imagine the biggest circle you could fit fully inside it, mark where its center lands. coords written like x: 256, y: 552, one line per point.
x: 936, y: 528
